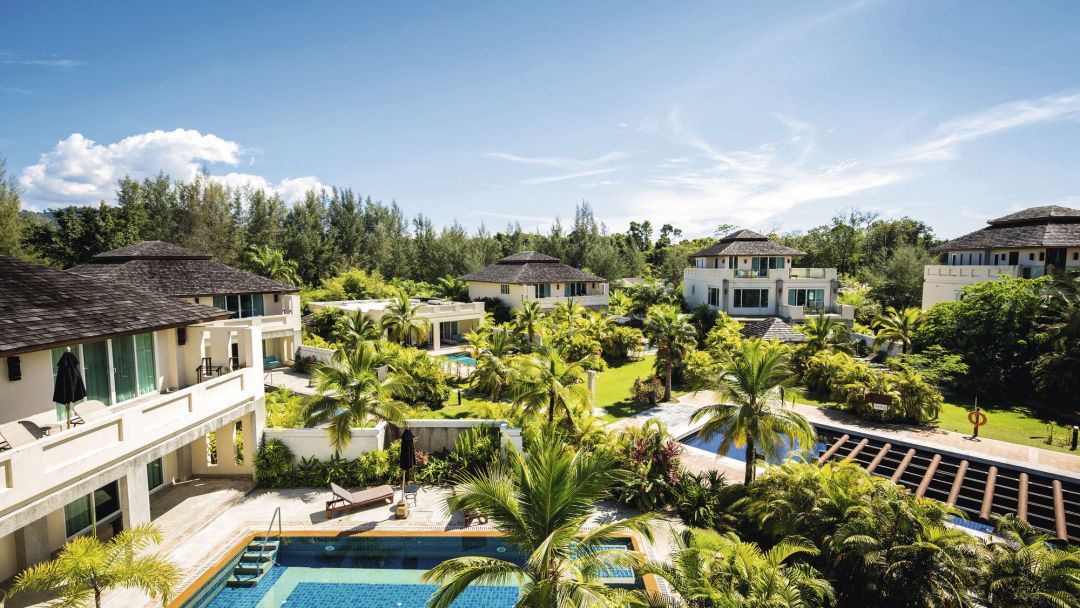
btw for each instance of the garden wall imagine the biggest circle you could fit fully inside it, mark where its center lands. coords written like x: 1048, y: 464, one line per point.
x: 432, y: 436
x: 322, y: 355
x: 309, y: 443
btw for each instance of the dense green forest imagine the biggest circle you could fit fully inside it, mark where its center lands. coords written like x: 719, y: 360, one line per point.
x: 338, y: 229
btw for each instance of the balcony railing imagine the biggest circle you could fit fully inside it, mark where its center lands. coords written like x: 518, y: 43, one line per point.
x: 55, y: 461
x: 587, y: 300
x: 808, y: 273
x: 797, y: 313
x: 718, y: 274
x: 750, y: 273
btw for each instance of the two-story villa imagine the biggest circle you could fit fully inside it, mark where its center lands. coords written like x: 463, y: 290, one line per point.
x: 154, y: 397
x: 747, y: 275
x: 1026, y: 244
x: 533, y: 276
x: 167, y: 269
x: 449, y: 321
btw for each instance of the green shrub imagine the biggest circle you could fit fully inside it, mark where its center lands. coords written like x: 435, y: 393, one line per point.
x: 650, y: 391
x: 285, y: 409
x: 273, y: 463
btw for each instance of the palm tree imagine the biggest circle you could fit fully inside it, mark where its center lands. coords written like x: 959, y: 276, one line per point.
x: 86, y: 567
x: 598, y: 326
x: 356, y: 328
x: 355, y: 388
x: 527, y: 318
x: 401, y: 321
x: 492, y: 363
x: 568, y: 313
x: 673, y: 335
x: 712, y: 569
x: 541, y: 504
x: 1061, y: 306
x: 897, y: 327
x: 704, y: 318
x: 272, y: 264
x: 1025, y: 569
x: 748, y: 414
x: 452, y: 288
x: 620, y: 303
x: 544, y: 379
x: 825, y: 333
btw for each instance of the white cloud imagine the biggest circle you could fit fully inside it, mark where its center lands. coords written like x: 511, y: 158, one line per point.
x: 574, y: 168
x: 51, y: 61
x: 1057, y: 107
x: 80, y: 170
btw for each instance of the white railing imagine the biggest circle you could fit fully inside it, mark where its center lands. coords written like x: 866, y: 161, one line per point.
x: 57, y: 460
x: 980, y: 273
x: 798, y: 274
x: 799, y: 314
x: 590, y: 300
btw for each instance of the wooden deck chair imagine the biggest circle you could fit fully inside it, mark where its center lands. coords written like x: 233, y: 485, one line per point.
x: 344, y: 500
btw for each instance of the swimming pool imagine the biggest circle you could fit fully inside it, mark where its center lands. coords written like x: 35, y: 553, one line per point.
x: 712, y: 444
x: 361, y: 572
x: 461, y: 358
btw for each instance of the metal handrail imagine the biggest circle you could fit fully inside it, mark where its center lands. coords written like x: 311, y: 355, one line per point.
x: 270, y: 528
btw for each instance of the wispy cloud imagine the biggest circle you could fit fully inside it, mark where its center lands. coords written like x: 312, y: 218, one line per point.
x: 1025, y: 112
x: 575, y: 168
x: 27, y: 92
x: 51, y: 61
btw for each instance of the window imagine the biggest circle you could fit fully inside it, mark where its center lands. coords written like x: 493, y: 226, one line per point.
x: 573, y: 290
x: 155, y: 474
x: 751, y: 298
x: 106, y: 501
x: 810, y: 298
x: 504, y: 290
x: 693, y: 289
x: 761, y: 265
x: 714, y: 296
x: 114, y: 370
x: 1076, y: 255
x: 242, y: 306
x: 1042, y: 256
x: 1031, y: 257
x: 543, y: 290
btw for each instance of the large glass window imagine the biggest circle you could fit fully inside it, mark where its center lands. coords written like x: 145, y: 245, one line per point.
x: 257, y: 305
x: 144, y: 358
x: 571, y: 290
x: 106, y: 501
x: 113, y: 370
x: 714, y: 296
x: 96, y: 369
x: 504, y: 290
x: 124, y: 363
x: 763, y: 264
x: 751, y: 298
x: 155, y: 473
x: 241, y: 306
x: 543, y: 290
x: 245, y: 305
x: 811, y: 298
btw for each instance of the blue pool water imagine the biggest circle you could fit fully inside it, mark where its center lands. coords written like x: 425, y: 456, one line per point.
x: 461, y: 358
x: 362, y: 572
x: 712, y: 444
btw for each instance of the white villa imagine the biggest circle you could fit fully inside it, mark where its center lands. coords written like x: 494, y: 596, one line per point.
x: 449, y: 320
x: 170, y: 270
x: 161, y: 375
x: 530, y: 276
x: 1026, y: 244
x: 748, y: 275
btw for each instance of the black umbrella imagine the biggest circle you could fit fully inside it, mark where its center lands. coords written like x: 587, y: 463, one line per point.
x: 69, y: 386
x: 407, y: 461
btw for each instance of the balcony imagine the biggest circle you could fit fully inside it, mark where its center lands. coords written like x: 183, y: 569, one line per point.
x: 47, y: 467
x: 819, y: 274
x: 594, y: 300
x: 972, y: 274
x: 799, y: 314
x: 794, y: 274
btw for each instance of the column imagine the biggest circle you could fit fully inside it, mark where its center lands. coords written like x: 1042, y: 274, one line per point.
x: 183, y: 463
x: 134, y: 497
x: 226, y: 447
x: 32, y: 543
x: 436, y: 335
x: 252, y: 433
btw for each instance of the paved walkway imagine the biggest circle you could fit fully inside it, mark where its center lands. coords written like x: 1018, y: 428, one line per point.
x: 285, y: 377
x: 677, y: 417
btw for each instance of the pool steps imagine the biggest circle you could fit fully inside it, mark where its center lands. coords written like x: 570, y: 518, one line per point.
x: 255, y: 562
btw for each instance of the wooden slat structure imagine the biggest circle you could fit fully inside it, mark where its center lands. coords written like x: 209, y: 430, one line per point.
x: 827, y: 454
x: 988, y: 492
x: 877, y: 459
x: 958, y: 482
x: 858, y: 448
x: 930, y: 470
x: 903, y: 465
x: 1022, y: 497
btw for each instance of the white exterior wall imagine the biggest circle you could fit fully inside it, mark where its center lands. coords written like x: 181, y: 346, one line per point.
x: 596, y: 294
x: 697, y: 282
x: 945, y: 282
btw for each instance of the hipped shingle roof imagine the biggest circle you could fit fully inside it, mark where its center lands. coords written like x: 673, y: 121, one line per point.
x: 1047, y: 226
x: 530, y: 267
x: 772, y: 328
x: 164, y: 268
x: 747, y: 242
x: 41, y: 307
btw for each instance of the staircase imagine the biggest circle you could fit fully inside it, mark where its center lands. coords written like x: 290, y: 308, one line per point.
x: 258, y: 558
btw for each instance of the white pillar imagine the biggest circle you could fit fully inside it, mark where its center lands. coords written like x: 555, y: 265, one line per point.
x: 436, y: 335
x: 32, y: 543
x: 135, y: 497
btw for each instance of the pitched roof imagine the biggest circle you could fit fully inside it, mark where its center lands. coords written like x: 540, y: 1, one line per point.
x: 1047, y: 226
x: 164, y: 268
x: 747, y: 242
x: 530, y: 267
x: 773, y: 328
x: 41, y: 307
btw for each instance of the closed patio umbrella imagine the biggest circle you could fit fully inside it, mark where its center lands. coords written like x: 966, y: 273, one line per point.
x: 69, y: 386
x: 407, y: 461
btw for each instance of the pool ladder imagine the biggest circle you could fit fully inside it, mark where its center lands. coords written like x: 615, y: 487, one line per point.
x: 258, y: 557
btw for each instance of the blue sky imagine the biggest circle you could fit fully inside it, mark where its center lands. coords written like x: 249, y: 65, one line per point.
x: 768, y: 115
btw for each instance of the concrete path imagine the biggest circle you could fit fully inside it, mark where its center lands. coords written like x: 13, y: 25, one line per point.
x: 284, y: 377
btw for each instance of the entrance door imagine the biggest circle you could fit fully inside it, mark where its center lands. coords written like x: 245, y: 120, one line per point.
x: 1014, y: 258
x: 1055, y: 257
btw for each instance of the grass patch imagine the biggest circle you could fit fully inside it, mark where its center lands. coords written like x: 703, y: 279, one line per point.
x: 1019, y: 424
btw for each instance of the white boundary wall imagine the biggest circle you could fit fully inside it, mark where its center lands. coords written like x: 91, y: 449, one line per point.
x: 431, y: 436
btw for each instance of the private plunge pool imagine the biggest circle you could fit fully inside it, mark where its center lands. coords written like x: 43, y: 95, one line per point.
x: 712, y: 445
x: 367, y: 570
x: 462, y: 358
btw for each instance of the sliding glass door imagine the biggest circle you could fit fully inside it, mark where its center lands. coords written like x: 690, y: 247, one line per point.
x: 124, y: 366
x: 96, y: 368
x: 145, y: 364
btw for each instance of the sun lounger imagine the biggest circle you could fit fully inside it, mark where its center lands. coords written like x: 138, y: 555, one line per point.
x: 88, y: 410
x: 22, y: 432
x: 472, y: 517
x: 344, y: 500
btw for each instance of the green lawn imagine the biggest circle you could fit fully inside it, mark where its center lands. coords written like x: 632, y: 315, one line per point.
x: 1018, y: 424
x: 612, y: 393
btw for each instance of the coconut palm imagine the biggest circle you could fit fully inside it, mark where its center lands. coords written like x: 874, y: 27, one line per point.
x: 272, y: 264
x: 825, y: 333
x: 712, y: 569
x: 568, y: 313
x: 751, y: 411
x: 401, y: 321
x: 620, y: 303
x: 492, y: 363
x: 673, y: 335
x: 452, y: 288
x: 357, y: 387
x: 541, y: 504
x: 545, y: 380
x: 897, y: 327
x: 356, y: 328
x: 87, y: 566
x: 598, y: 325
x: 1025, y: 569
x: 527, y: 320
x: 1061, y: 306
